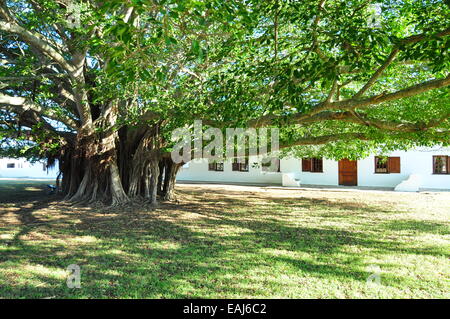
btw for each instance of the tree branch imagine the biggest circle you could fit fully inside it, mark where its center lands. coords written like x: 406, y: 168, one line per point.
x: 404, y: 93
x: 21, y: 105
x: 419, y: 37
x: 351, y: 104
x: 36, y: 40
x: 317, y: 140
x: 377, y: 73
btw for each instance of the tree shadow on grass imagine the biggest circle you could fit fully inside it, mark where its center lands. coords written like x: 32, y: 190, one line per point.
x: 12, y: 192
x: 418, y: 226
x: 163, y: 253
x: 282, y: 207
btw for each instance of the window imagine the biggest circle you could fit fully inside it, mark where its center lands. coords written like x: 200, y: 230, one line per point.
x: 218, y: 167
x: 267, y: 163
x: 314, y: 165
x: 381, y: 164
x: 240, y: 167
x: 386, y: 165
x: 10, y: 165
x: 441, y: 164
x: 317, y: 165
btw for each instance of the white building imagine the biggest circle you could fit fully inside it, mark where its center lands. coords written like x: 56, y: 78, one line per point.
x: 424, y: 169
x: 21, y: 168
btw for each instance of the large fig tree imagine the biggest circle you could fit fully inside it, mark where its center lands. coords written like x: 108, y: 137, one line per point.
x: 99, y: 86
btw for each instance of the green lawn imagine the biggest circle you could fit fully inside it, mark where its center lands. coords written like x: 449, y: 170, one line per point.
x: 218, y: 243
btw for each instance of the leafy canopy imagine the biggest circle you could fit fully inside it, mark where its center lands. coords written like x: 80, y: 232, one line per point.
x: 340, y: 78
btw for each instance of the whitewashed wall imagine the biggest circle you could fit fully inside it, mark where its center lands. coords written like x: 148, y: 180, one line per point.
x: 24, y: 169
x: 418, y: 162
x: 198, y: 171
x: 328, y: 177
x: 412, y: 162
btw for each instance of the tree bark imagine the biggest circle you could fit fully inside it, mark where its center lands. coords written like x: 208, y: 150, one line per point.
x: 170, y: 174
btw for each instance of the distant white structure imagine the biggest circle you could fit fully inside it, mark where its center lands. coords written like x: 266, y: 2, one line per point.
x: 21, y: 168
x: 421, y: 169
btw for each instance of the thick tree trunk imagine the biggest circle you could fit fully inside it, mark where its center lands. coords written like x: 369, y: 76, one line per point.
x: 116, y: 167
x: 118, y: 195
x: 91, y: 174
x: 170, y: 174
x: 154, y: 175
x: 101, y: 182
x: 162, y: 167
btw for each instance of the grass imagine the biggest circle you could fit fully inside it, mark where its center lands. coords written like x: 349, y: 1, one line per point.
x: 222, y: 243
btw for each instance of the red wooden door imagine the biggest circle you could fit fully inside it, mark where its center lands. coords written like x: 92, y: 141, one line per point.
x: 348, y: 172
